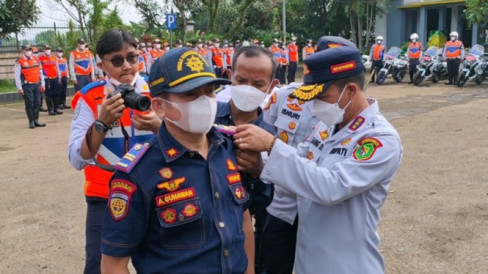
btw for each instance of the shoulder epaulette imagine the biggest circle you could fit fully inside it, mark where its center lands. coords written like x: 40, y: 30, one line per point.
x: 92, y: 85
x: 131, y: 158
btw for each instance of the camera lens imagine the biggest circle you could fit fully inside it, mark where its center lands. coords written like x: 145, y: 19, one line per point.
x: 137, y: 101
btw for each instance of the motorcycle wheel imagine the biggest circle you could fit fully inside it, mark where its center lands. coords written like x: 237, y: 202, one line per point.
x: 381, y: 78
x: 461, y: 80
x: 435, y: 79
x: 400, y: 76
x: 417, y: 78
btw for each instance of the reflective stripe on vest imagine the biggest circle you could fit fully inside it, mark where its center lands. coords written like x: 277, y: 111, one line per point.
x: 414, y: 50
x: 83, y: 62
x: 453, y: 49
x: 30, y: 69
x: 63, y: 66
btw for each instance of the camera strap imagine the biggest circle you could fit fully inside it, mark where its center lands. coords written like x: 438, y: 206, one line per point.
x: 126, y: 137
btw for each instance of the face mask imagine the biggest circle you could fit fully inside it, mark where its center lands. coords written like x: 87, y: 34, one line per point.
x: 226, y: 45
x: 81, y: 47
x: 59, y: 54
x: 28, y: 54
x: 247, y: 98
x: 197, y: 116
x: 116, y: 82
x: 309, y: 45
x: 379, y: 42
x: 158, y: 46
x: 329, y: 114
x: 47, y: 52
x: 217, y: 45
x: 414, y: 40
x: 453, y: 38
x: 199, y: 46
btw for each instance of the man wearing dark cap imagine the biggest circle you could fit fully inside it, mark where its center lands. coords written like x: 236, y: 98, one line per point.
x: 177, y: 203
x: 341, y: 173
x: 81, y: 65
x: 308, y: 49
x: 178, y: 43
x: 30, y: 83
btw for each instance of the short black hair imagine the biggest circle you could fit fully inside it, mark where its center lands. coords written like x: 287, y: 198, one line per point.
x: 113, y: 40
x: 252, y: 51
x: 358, y: 79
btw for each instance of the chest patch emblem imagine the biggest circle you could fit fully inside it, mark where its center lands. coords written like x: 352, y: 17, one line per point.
x: 172, y: 185
x: 294, y: 107
x: 120, y: 195
x: 230, y: 165
x: 310, y: 155
x: 292, y: 125
x: 173, y: 197
x: 324, y: 134
x: 284, y: 136
x: 345, y: 142
x: 166, y: 173
x: 190, y: 210
x: 169, y: 215
x: 234, y: 178
x: 240, y: 192
x: 366, y: 148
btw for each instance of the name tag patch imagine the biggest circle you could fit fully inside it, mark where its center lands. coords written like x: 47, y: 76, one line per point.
x: 173, y: 197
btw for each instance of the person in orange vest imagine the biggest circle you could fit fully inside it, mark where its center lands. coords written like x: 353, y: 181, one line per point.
x: 63, y: 76
x: 308, y: 49
x: 207, y: 54
x: 81, y: 65
x: 30, y: 84
x: 166, y: 47
x: 293, y: 58
x: 377, y: 55
x: 414, y: 54
x: 454, y: 53
x: 154, y: 53
x: 178, y: 43
x: 35, y: 54
x: 282, y: 63
x: 276, y: 51
x: 103, y: 129
x: 228, y: 52
x: 49, y: 64
x: 142, y: 59
x: 217, y: 57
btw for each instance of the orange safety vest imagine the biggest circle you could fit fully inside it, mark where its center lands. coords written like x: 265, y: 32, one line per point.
x: 228, y: 56
x: 378, y: 52
x: 97, y: 179
x: 217, y: 57
x: 282, y: 58
x: 203, y: 52
x: 293, y: 52
x: 142, y: 61
x: 83, y: 62
x: 414, y: 50
x: 30, y: 69
x: 308, y: 51
x: 155, y: 54
x: 453, y: 49
x: 276, y: 52
x: 63, y: 66
x: 49, y: 66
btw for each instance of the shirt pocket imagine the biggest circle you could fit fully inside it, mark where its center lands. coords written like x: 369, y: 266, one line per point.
x: 182, y: 225
x: 241, y: 202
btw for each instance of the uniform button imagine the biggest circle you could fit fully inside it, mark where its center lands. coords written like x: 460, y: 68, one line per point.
x: 268, y: 172
x: 181, y: 217
x: 221, y: 224
x: 192, y: 154
x: 226, y: 253
x: 217, y: 195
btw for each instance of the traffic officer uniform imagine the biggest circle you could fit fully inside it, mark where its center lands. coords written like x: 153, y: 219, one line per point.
x: 142, y: 59
x: 282, y: 63
x: 169, y: 208
x: 204, y: 52
x: 81, y: 66
x: 414, y: 54
x: 63, y: 74
x: 293, y: 58
x: 154, y: 53
x: 340, y: 194
x: 29, y: 79
x: 35, y: 54
x: 49, y: 65
x: 117, y: 142
x: 454, y: 53
x: 275, y: 49
x: 377, y: 55
x: 217, y: 57
x: 308, y: 49
x: 228, y: 54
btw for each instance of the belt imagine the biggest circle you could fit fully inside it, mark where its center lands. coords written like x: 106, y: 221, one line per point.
x: 31, y: 83
x: 51, y: 78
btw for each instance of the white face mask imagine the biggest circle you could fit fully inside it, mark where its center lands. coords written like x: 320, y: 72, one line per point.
x: 217, y: 45
x: 199, y: 46
x: 329, y: 114
x: 116, y: 82
x: 414, y: 40
x: 166, y: 48
x: 197, y: 116
x: 247, y: 98
x: 28, y: 54
x: 47, y: 52
x: 453, y: 38
x: 309, y: 45
x: 379, y: 42
x: 81, y: 47
x: 59, y: 54
x: 158, y: 46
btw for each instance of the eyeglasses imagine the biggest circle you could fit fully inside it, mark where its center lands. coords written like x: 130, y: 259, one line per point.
x: 118, y: 61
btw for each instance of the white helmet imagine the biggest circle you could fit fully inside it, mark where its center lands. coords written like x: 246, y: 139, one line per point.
x: 454, y: 33
x: 379, y: 38
x: 414, y: 36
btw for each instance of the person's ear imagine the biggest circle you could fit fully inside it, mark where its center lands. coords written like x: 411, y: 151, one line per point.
x: 273, y: 85
x: 158, y: 106
x: 100, y: 66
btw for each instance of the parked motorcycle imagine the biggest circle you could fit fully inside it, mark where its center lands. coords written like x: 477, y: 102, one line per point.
x: 431, y: 67
x: 395, y: 66
x: 366, y: 62
x: 473, y: 67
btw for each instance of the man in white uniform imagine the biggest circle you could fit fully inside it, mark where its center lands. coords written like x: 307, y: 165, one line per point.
x: 341, y: 190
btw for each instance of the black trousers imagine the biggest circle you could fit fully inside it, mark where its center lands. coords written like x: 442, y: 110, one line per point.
x: 96, y: 208
x: 376, y: 65
x: 453, y: 69
x: 83, y: 80
x: 412, y: 67
x: 32, y: 100
x: 292, y: 70
x: 63, y: 89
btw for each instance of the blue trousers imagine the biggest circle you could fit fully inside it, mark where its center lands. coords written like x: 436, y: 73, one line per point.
x: 83, y: 80
x: 93, y: 231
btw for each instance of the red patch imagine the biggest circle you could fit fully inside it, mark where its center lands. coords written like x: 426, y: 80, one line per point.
x: 230, y: 165
x: 292, y: 125
x: 234, y: 178
x: 324, y: 134
x: 240, y: 192
x: 343, y: 67
x: 294, y: 107
x: 166, y: 173
x: 190, y: 210
x: 272, y: 100
x: 172, y: 152
x: 173, y: 197
x: 169, y: 215
x: 120, y: 194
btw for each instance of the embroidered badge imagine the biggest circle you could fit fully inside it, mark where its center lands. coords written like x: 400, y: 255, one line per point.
x: 309, y: 155
x: 130, y: 159
x: 357, y: 123
x: 230, y: 165
x: 324, y: 134
x: 240, y: 192
x: 166, y: 173
x: 190, y: 210
x: 272, y: 99
x: 307, y: 92
x: 169, y: 215
x: 292, y: 125
x: 366, y: 148
x: 234, y: 178
x: 343, y: 67
x: 120, y: 195
x: 294, y: 107
x: 173, y: 197
x: 284, y: 136
x: 345, y: 142
x: 172, y: 152
x: 172, y: 185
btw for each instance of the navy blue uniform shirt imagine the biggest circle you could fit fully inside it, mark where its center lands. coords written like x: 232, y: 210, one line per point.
x: 174, y: 212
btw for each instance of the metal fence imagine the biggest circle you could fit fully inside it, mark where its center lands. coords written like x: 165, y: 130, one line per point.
x: 35, y: 36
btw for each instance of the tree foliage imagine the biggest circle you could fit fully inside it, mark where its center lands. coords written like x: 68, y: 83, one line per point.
x: 477, y: 12
x: 17, y: 14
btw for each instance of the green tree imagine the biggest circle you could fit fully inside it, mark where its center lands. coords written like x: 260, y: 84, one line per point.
x: 17, y: 14
x: 46, y: 38
x: 477, y: 12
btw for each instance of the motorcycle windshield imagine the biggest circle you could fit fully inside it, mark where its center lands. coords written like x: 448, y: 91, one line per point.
x: 431, y: 51
x: 393, y: 53
x: 477, y: 50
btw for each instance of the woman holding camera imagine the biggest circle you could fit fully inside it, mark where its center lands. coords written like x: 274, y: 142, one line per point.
x: 105, y: 127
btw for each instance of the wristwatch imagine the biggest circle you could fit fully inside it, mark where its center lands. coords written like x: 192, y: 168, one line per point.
x: 100, y: 126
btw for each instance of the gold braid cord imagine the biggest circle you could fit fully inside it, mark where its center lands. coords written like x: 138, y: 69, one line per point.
x: 307, y: 93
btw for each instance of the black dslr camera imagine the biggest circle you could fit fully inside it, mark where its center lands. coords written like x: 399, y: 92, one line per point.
x: 131, y: 98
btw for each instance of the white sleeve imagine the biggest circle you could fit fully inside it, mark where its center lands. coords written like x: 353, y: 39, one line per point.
x: 17, y: 72
x: 343, y: 180
x: 72, y: 67
x: 83, y: 118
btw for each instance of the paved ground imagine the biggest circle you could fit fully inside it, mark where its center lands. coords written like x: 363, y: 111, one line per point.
x: 434, y: 220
